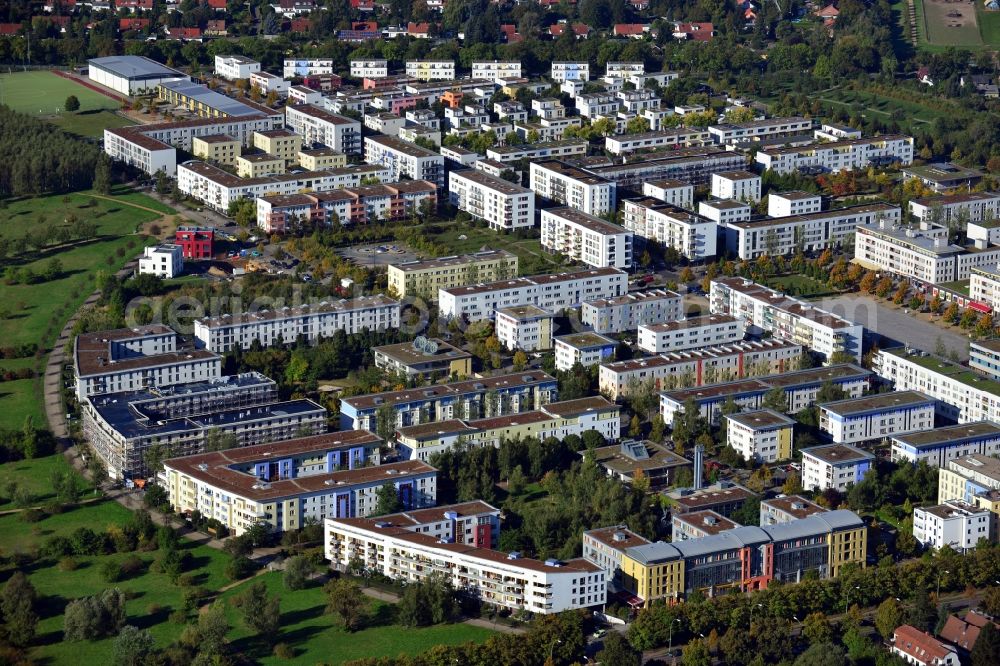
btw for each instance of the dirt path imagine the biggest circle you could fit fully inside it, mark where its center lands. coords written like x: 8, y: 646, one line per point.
x: 129, y: 204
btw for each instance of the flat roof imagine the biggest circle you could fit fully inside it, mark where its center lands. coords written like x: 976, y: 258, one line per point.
x: 320, y: 113
x: 779, y: 301
x: 707, y: 521
x: 977, y: 463
x: 633, y: 297
x: 877, y: 403
x: 950, y: 434
x: 134, y: 67
x: 438, y: 513
x: 405, y: 353
x: 713, y: 496
x: 962, y: 197
x: 373, y: 400
x: 828, y: 145
x: 692, y: 355
x: 836, y: 454
x: 660, y: 457
x: 554, y: 278
x: 586, y: 220
x: 618, y: 537
x: 794, y: 505
x: 210, y: 98
x: 762, y: 419
x: 740, y: 174
x: 952, y: 509
x: 570, y: 171
x: 691, y: 322
x: 492, y: 182
x: 342, y: 305
x: 216, y: 138
x: 812, y: 217
x: 795, y: 195
x: 400, y: 146
x: 525, y: 312
x: 787, y: 380
x: 941, y: 172
x: 260, y: 158
x: 953, y: 371
x: 585, y: 340
x: 914, y: 240
x: 456, y: 260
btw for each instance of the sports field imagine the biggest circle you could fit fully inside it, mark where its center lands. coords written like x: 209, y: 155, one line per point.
x: 951, y: 23
x: 44, y: 94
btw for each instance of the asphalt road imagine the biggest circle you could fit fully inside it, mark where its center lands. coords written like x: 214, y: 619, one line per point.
x: 895, y: 326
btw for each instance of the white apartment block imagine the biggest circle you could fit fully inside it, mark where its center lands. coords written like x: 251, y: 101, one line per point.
x: 572, y: 186
x: 738, y: 185
x: 674, y: 192
x: 940, y: 446
x: 637, y: 101
x: 811, y: 232
x: 537, y: 151
x: 405, y: 160
x: 317, y: 125
x: 369, y: 69
x: 496, y: 69
x: 524, y: 327
x: 623, y: 70
x: 836, y: 466
x: 550, y: 292
x: 384, y: 122
x: 967, y: 207
x: 594, y: 105
x: 955, y: 524
x: 400, y: 552
x: 585, y: 348
x: 130, y: 359
x: 235, y: 67
x: 796, y: 202
x: 624, y: 311
x: 693, y: 333
x: 629, y: 143
x: 876, y: 417
x: 570, y: 71
x: 837, y: 156
x: 304, y: 95
x: 698, y: 367
x: 692, y: 235
x: 754, y: 130
x: 431, y: 70
x: 217, y: 188
x: 586, y: 238
x: 766, y: 310
x: 267, y: 83
x: 163, y: 261
x: 307, y: 67
x: 502, y: 204
x: 923, y: 255
x: 763, y: 435
x: 725, y: 212
x: 984, y: 286
x: 285, y: 325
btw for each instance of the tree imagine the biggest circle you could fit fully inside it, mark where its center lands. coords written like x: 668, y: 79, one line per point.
x: 102, y: 175
x: 635, y: 427
x: 218, y: 440
x: 133, y: 646
x: 775, y: 399
x: 261, y: 612
x: 345, y: 599
x: 883, y: 287
x: 72, y: 104
x: 298, y: 569
x: 888, y: 616
x: 822, y: 654
x: 792, y: 484
x: 816, y: 628
x: 520, y: 360
x: 90, y: 618
x: 987, y: 647
x: 387, y: 500
x: 618, y: 652
x: 696, y: 654
x: 17, y: 604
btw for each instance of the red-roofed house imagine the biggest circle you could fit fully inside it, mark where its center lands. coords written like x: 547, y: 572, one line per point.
x: 829, y: 12
x: 920, y: 648
x: 217, y: 4
x: 9, y: 29
x: 133, y: 24
x: 364, y: 26
x: 510, y: 33
x: 418, y: 30
x: 53, y: 6
x: 216, y: 27
x: 581, y: 30
x: 964, y: 633
x: 61, y: 21
x: 639, y: 5
x: 631, y: 30
x: 187, y: 34
x: 700, y: 32
x: 133, y: 5
x: 300, y: 25
x: 363, y: 5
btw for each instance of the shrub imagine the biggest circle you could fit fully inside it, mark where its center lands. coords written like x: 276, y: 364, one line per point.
x: 32, y: 515
x: 284, y: 651
x: 111, y: 571
x: 179, y: 617
x: 132, y: 566
x: 68, y: 564
x: 240, y: 568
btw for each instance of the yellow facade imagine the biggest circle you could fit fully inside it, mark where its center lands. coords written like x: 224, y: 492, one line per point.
x: 461, y: 367
x: 255, y: 166
x: 847, y: 547
x: 785, y: 443
x: 424, y: 279
x: 315, y: 160
x: 285, y: 145
x: 193, y: 105
x: 659, y: 581
x: 216, y: 149
x: 951, y: 485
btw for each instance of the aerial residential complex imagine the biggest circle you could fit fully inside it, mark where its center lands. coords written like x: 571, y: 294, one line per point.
x: 585, y: 348
x: 925, y: 255
x: 938, y: 447
x: 693, y: 333
x: 766, y: 310
x: 404, y: 160
x: 621, y: 312
x: 876, y: 417
x: 836, y: 156
x: 424, y: 278
x: 572, y: 186
x: 586, y: 238
x: 502, y: 204
x: 836, y: 466
x: 763, y: 435
x: 694, y: 236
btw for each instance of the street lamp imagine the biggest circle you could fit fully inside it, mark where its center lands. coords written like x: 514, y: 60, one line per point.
x: 847, y: 598
x: 553, y: 647
x: 670, y: 637
x: 751, y: 612
x: 938, y: 595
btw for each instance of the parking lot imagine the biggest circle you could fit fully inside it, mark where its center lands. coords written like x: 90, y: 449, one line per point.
x: 379, y: 254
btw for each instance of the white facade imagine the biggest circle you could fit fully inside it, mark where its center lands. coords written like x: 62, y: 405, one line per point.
x: 570, y: 71
x: 572, y: 187
x: 924, y: 255
x: 369, y: 69
x: 267, y: 83
x: 405, y: 160
x: 524, y: 327
x: 307, y: 67
x: 787, y: 318
x: 731, y: 133
x: 693, y: 333
x: 984, y: 286
x: 738, y: 185
x: 594, y: 105
x: 787, y: 204
x: 586, y: 238
x: 813, y: 232
x: 624, y: 311
x: 724, y: 212
x: 762, y: 435
x: 628, y: 143
x: 235, y: 67
x: 497, y: 578
x: 163, y: 261
x: 316, y: 125
x: 839, y: 155
x: 502, y: 204
x: 968, y: 206
x: 838, y: 467
x: 623, y: 70
x: 550, y: 292
x: 955, y: 524
x: 940, y: 446
x: 674, y: 192
x: 223, y: 333
x: 876, y: 417
x: 431, y: 70
x: 496, y: 69
x: 130, y: 75
x: 584, y: 348
x: 692, y: 235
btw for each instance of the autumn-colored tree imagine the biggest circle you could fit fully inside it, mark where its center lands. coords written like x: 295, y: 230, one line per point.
x: 951, y: 313
x: 867, y: 283
x: 687, y: 274
x: 984, y: 326
x: 968, y: 319
x: 900, y: 294
x: 935, y: 304
x: 883, y: 287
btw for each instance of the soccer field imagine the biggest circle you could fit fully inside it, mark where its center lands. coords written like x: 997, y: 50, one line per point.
x: 44, y: 93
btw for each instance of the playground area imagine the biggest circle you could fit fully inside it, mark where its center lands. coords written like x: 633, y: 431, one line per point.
x: 379, y: 254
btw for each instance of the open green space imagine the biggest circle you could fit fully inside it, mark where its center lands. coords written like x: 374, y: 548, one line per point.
x: 989, y: 25
x: 532, y: 259
x: 798, y: 285
x: 35, y: 476
x: 42, y: 93
x: 949, y: 23
x: 20, y: 399
x: 317, y: 637
x: 90, y: 123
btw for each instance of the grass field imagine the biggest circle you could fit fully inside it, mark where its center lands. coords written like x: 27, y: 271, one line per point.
x: 940, y: 29
x: 989, y: 26
x: 41, y: 93
x: 532, y: 259
x: 34, y: 476
x: 37, y: 312
x: 798, y: 285
x: 912, y: 113
x: 317, y: 637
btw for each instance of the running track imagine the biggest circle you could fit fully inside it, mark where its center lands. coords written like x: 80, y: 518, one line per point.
x: 87, y: 84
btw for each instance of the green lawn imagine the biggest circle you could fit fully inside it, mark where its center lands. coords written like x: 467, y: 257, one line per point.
x: 44, y: 94
x: 989, y: 25
x: 35, y: 476
x: 798, y: 285
x: 90, y: 123
x: 881, y: 105
x: 317, y: 637
x: 532, y: 259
